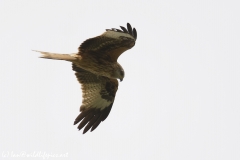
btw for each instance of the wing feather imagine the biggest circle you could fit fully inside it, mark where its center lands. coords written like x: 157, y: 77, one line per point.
x: 135, y: 33
x: 129, y: 28
x: 98, y: 97
x: 85, y: 120
x: 98, y: 121
x: 124, y: 29
x: 91, y: 122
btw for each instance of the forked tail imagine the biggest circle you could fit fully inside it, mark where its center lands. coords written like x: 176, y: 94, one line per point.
x: 56, y: 56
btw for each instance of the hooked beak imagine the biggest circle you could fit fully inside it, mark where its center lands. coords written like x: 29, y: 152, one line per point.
x: 121, y: 80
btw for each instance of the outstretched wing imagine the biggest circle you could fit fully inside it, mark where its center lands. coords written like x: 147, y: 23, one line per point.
x: 111, y: 44
x: 98, y: 97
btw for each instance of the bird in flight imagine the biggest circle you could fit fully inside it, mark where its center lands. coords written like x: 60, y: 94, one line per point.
x: 97, y: 70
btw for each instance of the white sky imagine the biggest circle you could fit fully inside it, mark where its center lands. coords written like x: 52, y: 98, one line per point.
x: 179, y: 99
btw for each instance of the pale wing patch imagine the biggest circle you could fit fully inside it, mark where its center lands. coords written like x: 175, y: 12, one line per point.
x: 116, y: 35
x: 100, y: 103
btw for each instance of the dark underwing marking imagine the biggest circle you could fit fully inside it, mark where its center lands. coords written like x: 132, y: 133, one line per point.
x: 110, y: 87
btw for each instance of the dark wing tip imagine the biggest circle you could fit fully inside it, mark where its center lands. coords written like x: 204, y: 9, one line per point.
x: 129, y: 28
x: 134, y: 33
x: 124, y: 29
x: 91, y: 118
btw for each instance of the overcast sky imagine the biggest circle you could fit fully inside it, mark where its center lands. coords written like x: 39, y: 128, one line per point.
x: 180, y: 99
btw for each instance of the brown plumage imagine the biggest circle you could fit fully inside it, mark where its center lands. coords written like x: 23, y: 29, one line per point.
x: 96, y: 90
x: 97, y: 70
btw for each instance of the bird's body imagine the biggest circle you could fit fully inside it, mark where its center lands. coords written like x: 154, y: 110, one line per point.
x: 97, y: 70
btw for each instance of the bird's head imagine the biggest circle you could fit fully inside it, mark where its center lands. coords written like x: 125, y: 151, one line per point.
x: 118, y: 72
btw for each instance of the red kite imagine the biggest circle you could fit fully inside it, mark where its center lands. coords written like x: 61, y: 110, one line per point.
x: 97, y: 70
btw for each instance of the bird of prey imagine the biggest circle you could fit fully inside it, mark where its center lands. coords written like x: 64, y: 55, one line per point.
x: 97, y: 70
